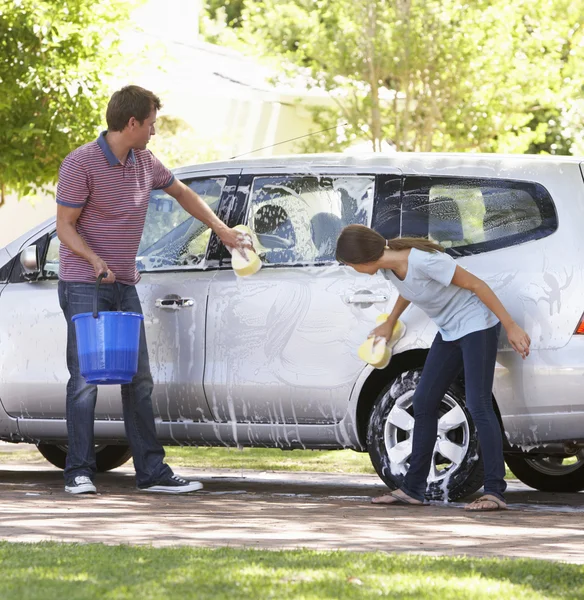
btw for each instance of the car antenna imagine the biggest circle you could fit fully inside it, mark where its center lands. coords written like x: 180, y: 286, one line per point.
x: 290, y: 140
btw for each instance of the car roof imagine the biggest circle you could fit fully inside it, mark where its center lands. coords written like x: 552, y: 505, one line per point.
x: 379, y: 160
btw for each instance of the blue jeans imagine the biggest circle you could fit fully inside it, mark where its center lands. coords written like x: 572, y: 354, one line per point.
x: 147, y: 452
x: 476, y: 353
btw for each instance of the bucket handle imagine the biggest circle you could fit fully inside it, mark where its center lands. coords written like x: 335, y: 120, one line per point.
x: 101, y: 277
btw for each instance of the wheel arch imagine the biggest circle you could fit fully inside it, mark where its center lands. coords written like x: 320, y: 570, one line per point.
x: 411, y: 359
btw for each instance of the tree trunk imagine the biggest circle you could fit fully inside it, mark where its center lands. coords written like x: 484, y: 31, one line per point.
x: 403, y: 117
x: 2, y: 193
x: 373, y: 75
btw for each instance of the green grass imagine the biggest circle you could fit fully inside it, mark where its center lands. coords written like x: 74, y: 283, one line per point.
x: 23, y: 456
x: 271, y: 459
x: 258, y: 459
x: 53, y: 571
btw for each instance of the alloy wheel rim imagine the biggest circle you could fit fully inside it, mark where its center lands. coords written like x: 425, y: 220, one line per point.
x: 452, y: 440
x: 554, y: 465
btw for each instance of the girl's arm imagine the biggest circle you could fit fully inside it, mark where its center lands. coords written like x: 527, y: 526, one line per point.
x: 386, y: 329
x: 517, y: 337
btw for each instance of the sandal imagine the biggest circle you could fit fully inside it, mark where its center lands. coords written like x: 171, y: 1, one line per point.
x: 492, y: 502
x: 398, y: 500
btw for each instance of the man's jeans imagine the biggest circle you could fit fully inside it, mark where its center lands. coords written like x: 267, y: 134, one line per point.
x: 147, y: 452
x: 476, y: 353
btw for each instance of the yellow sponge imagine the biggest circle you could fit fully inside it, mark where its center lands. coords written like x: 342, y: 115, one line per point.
x: 378, y: 353
x: 245, y: 262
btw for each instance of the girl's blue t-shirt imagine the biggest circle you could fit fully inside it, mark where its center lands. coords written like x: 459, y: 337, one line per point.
x: 428, y: 284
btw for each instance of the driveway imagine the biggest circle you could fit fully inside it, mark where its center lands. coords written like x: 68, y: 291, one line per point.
x: 283, y: 510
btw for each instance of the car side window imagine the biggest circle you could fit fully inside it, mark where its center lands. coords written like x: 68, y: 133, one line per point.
x: 386, y: 212
x: 470, y: 215
x: 298, y: 219
x: 172, y: 237
x: 50, y: 268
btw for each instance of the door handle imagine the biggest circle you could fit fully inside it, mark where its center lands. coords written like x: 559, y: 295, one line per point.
x: 172, y: 303
x: 365, y: 298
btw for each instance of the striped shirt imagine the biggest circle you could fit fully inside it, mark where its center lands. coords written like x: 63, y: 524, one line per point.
x: 114, y: 198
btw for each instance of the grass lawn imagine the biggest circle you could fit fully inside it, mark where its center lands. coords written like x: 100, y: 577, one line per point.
x: 271, y: 459
x: 259, y: 459
x: 52, y: 571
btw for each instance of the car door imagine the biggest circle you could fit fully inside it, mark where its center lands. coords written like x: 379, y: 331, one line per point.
x: 33, y: 364
x: 33, y: 369
x: 175, y: 280
x: 282, y: 344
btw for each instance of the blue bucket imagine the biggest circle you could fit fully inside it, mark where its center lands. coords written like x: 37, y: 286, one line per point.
x: 107, y: 344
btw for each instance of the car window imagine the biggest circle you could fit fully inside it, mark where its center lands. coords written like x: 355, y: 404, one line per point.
x: 472, y: 215
x: 51, y: 266
x: 6, y: 271
x: 297, y: 219
x: 387, y: 209
x: 172, y: 237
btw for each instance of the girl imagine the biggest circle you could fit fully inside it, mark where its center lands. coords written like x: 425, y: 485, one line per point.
x: 469, y: 317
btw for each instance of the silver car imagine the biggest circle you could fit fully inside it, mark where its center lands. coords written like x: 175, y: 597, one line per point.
x: 271, y: 360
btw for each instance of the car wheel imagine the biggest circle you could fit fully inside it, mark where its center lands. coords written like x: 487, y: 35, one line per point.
x: 457, y: 467
x: 106, y: 457
x: 549, y: 473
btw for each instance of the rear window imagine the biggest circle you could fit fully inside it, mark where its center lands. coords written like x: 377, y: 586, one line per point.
x: 469, y: 216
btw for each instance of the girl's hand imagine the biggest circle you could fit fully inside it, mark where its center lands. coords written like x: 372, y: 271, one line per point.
x: 519, y: 340
x: 384, y: 330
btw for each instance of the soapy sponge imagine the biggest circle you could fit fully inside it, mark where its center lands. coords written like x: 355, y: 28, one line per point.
x: 245, y: 262
x: 378, y: 352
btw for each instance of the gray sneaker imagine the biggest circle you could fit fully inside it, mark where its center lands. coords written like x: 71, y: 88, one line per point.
x: 173, y: 485
x: 81, y: 485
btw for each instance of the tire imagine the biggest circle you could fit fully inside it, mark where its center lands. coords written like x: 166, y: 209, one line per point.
x: 389, y: 439
x: 106, y: 457
x: 548, y: 473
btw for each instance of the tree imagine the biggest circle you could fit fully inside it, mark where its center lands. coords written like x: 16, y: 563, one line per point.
x: 54, y: 55
x: 425, y: 74
x: 176, y: 143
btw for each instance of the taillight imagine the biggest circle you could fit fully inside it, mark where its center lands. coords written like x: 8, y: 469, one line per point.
x: 580, y: 328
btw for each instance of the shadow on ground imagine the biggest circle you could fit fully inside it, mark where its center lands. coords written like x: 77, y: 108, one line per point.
x: 283, y: 510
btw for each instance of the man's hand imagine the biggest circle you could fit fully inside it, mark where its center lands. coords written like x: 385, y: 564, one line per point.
x: 100, y: 267
x: 66, y: 230
x: 234, y: 238
x: 195, y: 206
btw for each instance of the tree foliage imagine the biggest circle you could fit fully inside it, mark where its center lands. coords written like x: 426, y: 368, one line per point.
x: 54, y: 55
x: 481, y: 75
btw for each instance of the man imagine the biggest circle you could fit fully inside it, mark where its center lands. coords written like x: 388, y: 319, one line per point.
x: 102, y: 198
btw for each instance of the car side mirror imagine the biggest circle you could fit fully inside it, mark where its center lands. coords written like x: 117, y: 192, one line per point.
x: 29, y: 260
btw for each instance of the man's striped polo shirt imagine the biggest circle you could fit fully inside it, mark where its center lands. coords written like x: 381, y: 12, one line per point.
x: 114, y: 198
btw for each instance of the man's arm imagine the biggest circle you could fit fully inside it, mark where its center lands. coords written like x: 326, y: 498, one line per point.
x: 67, y: 233
x: 195, y: 206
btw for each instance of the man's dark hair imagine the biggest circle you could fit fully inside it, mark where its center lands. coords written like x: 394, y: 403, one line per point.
x: 130, y: 101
